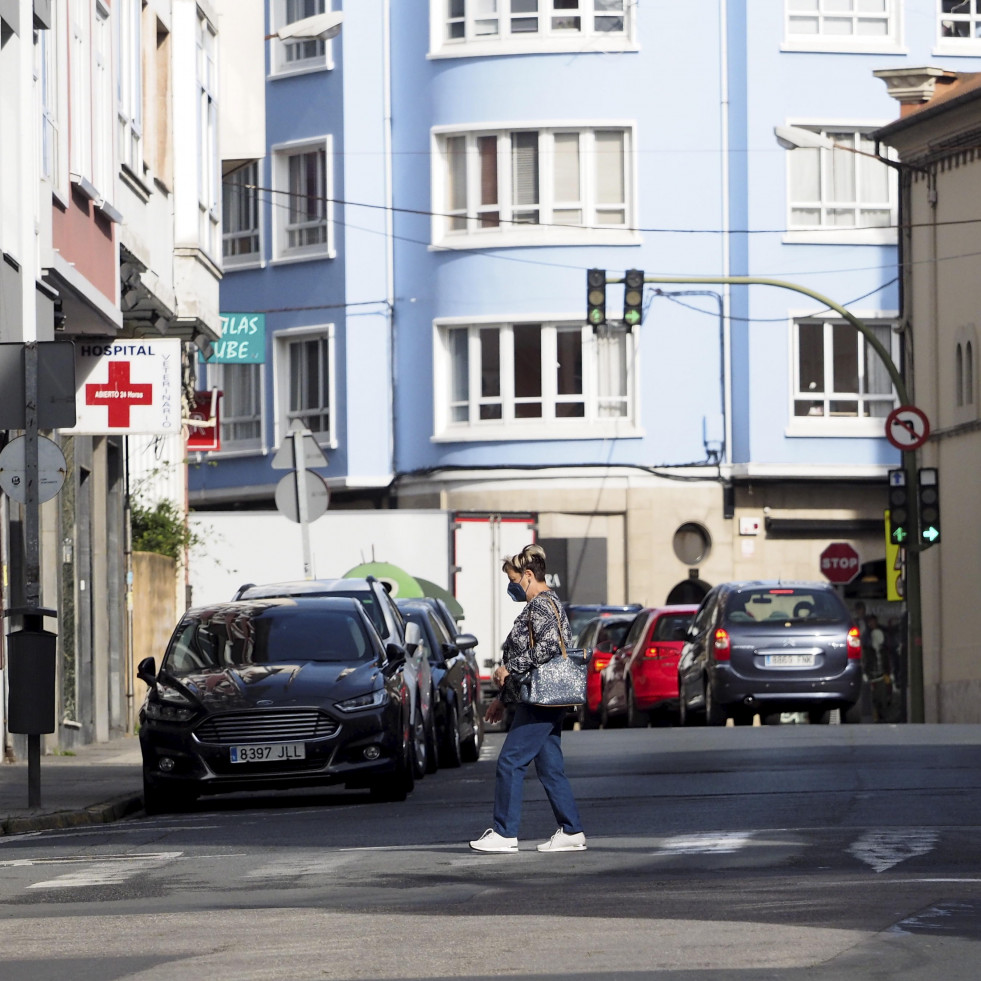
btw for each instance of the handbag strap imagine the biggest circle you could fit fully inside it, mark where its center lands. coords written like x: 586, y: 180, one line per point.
x: 558, y: 624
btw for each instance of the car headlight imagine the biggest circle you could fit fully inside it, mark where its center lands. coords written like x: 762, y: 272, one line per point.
x: 371, y: 700
x: 170, y: 705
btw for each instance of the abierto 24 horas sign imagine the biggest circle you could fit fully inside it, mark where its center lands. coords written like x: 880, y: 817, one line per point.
x: 130, y: 387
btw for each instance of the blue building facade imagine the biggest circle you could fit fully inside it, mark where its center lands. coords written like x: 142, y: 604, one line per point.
x: 439, y: 178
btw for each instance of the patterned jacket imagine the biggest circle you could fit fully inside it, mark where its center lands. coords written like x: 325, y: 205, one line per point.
x: 546, y: 617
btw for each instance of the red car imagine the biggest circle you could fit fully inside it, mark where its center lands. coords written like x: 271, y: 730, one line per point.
x: 640, y: 682
x: 604, y: 634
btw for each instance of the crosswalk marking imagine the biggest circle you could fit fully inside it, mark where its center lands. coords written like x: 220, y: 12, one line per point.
x: 705, y: 844
x: 881, y: 850
x: 290, y: 867
x: 106, y: 871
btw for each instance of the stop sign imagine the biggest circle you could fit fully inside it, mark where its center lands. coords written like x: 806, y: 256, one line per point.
x: 840, y: 563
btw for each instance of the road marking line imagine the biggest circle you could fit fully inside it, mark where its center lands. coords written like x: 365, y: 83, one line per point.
x: 705, y: 844
x: 881, y: 850
x: 289, y: 868
x: 107, y: 871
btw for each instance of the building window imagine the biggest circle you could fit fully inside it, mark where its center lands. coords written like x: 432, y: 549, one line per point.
x: 80, y: 92
x: 49, y: 73
x: 964, y: 374
x: 208, y: 161
x: 129, y: 86
x: 837, y: 189
x: 841, y: 21
x: 302, y: 209
x: 102, y: 103
x: 536, y: 22
x: 302, y: 54
x: 960, y: 19
x: 838, y: 375
x: 240, y: 215
x: 241, y: 404
x: 531, y: 378
x: 537, y: 183
x: 305, y: 363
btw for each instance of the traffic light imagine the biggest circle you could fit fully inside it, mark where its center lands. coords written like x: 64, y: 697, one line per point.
x: 899, y: 516
x: 633, y: 297
x: 929, y: 501
x: 596, y: 297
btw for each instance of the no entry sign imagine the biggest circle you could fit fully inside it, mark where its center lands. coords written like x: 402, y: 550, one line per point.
x: 840, y: 563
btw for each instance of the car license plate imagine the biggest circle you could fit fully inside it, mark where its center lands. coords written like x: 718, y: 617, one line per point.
x: 268, y: 752
x: 789, y: 660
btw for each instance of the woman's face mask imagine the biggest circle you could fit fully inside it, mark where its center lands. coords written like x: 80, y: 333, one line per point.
x: 516, y: 592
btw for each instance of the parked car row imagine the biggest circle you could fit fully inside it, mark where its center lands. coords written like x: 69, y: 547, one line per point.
x: 749, y: 648
x: 308, y: 684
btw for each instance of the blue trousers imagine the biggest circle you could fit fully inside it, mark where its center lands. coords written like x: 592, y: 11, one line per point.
x: 535, y: 734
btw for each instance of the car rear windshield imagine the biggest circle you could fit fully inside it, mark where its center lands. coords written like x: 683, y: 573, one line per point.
x: 610, y: 635
x: 673, y: 627
x: 784, y: 603
x: 280, y: 637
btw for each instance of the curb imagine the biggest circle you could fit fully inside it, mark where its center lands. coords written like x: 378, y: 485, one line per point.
x: 104, y: 813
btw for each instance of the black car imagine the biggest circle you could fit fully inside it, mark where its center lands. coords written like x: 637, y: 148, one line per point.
x: 454, y: 670
x: 392, y: 628
x: 274, y: 693
x: 580, y: 614
x: 769, y: 648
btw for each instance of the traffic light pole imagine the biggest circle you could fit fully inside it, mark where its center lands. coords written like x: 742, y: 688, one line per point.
x: 913, y: 608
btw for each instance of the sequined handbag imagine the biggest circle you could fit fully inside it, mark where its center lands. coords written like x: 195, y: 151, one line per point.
x: 561, y: 680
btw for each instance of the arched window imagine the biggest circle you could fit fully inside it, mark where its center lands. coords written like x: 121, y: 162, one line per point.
x: 959, y: 376
x: 969, y: 374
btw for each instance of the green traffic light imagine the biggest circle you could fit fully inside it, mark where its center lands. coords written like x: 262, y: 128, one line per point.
x: 632, y: 317
x: 931, y: 534
x: 899, y: 535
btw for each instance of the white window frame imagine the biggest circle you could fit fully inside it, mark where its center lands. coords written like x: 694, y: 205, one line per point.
x: 547, y: 231
x: 840, y: 425
x: 52, y: 86
x: 102, y: 104
x: 825, y: 232
x: 209, y: 162
x: 248, y: 173
x: 80, y: 94
x: 283, y: 339
x: 219, y: 377
x: 951, y: 45
x: 129, y: 86
x: 827, y: 17
x: 281, y: 153
x: 474, y: 22
x: 287, y: 57
x: 549, y: 426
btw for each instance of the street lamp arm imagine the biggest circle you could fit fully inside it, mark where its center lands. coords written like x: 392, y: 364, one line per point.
x: 860, y: 326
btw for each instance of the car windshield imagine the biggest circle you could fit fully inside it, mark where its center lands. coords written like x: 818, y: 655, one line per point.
x: 673, y: 627
x: 283, y: 636
x: 783, y: 604
x: 610, y: 635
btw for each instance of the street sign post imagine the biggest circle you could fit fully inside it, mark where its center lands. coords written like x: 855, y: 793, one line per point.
x: 840, y: 563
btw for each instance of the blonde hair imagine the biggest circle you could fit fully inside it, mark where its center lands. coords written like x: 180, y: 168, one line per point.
x: 530, y: 557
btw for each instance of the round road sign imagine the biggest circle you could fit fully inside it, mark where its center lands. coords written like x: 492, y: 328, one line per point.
x: 907, y: 427
x: 51, y: 469
x: 840, y: 563
x: 316, y: 495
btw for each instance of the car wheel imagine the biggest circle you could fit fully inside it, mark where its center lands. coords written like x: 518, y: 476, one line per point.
x: 166, y: 800
x: 636, y: 719
x: 715, y: 714
x: 452, y: 750
x: 420, y: 755
x: 470, y: 747
x: 398, y: 785
x: 819, y: 717
x: 432, y: 745
x: 605, y: 719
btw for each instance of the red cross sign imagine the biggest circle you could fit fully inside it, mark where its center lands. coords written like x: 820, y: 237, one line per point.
x: 128, y: 385
x: 118, y: 394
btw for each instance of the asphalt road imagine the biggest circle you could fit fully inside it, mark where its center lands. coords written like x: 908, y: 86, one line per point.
x: 798, y: 853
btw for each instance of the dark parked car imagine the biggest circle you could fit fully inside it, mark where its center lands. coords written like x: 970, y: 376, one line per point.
x: 580, y: 614
x: 275, y: 693
x: 391, y: 627
x: 769, y: 648
x: 459, y: 721
x: 604, y: 635
x: 640, y: 684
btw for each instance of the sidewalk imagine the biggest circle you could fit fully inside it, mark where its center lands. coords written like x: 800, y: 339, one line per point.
x: 101, y: 782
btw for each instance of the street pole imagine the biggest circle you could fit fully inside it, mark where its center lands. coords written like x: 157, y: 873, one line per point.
x: 913, y: 607
x: 32, y: 549
x: 296, y: 435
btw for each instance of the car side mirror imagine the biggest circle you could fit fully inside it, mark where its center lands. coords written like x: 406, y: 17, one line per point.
x: 146, y: 670
x: 395, y: 654
x: 465, y: 642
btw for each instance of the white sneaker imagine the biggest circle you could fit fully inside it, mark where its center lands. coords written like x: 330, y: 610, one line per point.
x: 491, y: 841
x: 561, y: 842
